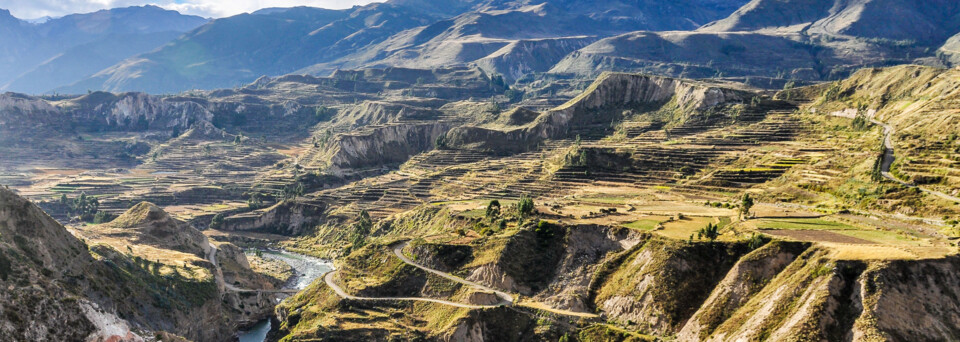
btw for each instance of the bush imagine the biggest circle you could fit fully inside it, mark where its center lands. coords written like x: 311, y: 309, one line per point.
x: 493, y: 209
x: 710, y: 232
x: 217, y: 221
x: 525, y: 205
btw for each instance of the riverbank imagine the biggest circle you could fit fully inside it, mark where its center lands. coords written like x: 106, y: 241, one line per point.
x: 307, y: 269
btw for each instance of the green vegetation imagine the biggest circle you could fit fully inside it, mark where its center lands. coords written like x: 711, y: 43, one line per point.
x: 710, y: 232
x: 802, y: 224
x: 746, y: 203
x: 217, y: 221
x: 525, y: 206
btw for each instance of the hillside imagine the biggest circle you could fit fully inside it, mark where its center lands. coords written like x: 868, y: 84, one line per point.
x: 73, y: 289
x: 493, y: 170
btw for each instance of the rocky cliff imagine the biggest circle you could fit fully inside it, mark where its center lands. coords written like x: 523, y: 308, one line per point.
x: 380, y: 146
x: 602, y: 103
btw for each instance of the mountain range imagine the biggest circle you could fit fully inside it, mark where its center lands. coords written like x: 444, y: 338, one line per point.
x: 764, y: 43
x: 40, y: 57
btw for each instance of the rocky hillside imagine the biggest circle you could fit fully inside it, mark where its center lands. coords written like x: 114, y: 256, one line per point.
x: 602, y: 103
x: 66, y: 289
x: 926, y: 23
x: 147, y: 224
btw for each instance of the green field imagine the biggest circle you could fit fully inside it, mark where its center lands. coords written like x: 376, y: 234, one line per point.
x: 802, y: 224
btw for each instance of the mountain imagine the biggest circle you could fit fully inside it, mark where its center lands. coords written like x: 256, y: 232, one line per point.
x: 950, y: 51
x: 407, y: 33
x: 924, y: 22
x: 46, y: 55
x: 770, y: 42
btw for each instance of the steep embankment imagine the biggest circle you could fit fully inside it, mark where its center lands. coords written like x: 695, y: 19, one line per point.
x: 64, y: 289
x: 602, y: 103
x: 781, y: 291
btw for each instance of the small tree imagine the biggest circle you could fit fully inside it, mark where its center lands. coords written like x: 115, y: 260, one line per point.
x: 756, y: 241
x: 217, y: 221
x: 745, y: 204
x: 493, y: 209
x: 525, y: 206
x: 710, y: 232
x: 441, y: 142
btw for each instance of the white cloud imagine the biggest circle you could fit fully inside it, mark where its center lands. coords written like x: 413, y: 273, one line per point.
x: 29, y: 9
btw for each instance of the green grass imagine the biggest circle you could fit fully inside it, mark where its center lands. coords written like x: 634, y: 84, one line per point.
x: 803, y: 224
x: 645, y: 224
x: 880, y: 236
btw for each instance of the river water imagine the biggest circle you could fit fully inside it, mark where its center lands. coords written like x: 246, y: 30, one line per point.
x: 307, y: 270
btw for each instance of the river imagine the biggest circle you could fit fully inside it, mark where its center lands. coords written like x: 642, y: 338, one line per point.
x: 307, y: 269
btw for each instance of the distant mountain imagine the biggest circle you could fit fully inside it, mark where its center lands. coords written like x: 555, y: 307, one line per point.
x: 412, y: 33
x: 770, y: 42
x: 949, y: 53
x: 927, y: 22
x: 43, y: 56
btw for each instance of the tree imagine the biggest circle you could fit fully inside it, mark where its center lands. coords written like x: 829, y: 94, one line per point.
x: 710, y: 232
x: 441, y: 142
x: 493, y: 209
x: 217, y: 221
x: 525, y: 205
x: 102, y: 217
x: 745, y: 204
x: 877, y: 173
x: 756, y: 241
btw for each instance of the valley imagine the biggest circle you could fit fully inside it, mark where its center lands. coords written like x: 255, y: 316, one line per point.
x: 433, y: 170
x: 548, y: 216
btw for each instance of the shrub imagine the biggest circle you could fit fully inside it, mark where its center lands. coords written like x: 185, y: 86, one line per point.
x: 525, y: 205
x: 217, y: 221
x: 710, y: 232
x: 493, y: 209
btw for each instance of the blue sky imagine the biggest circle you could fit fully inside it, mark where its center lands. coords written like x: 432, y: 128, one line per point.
x: 29, y: 9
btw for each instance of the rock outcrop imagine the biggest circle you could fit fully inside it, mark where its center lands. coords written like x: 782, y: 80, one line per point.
x: 381, y: 146
x: 603, y: 102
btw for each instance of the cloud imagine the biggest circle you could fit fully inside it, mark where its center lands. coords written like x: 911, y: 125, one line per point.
x: 29, y: 9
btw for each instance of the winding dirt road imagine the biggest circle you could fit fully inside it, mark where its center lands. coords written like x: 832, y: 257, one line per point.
x: 506, y: 298
x: 328, y: 278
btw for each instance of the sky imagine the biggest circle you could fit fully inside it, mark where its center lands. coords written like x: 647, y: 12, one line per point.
x: 30, y: 9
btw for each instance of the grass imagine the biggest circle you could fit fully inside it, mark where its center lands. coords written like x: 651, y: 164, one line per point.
x: 802, y: 224
x: 645, y: 224
x: 682, y: 229
x: 883, y: 237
